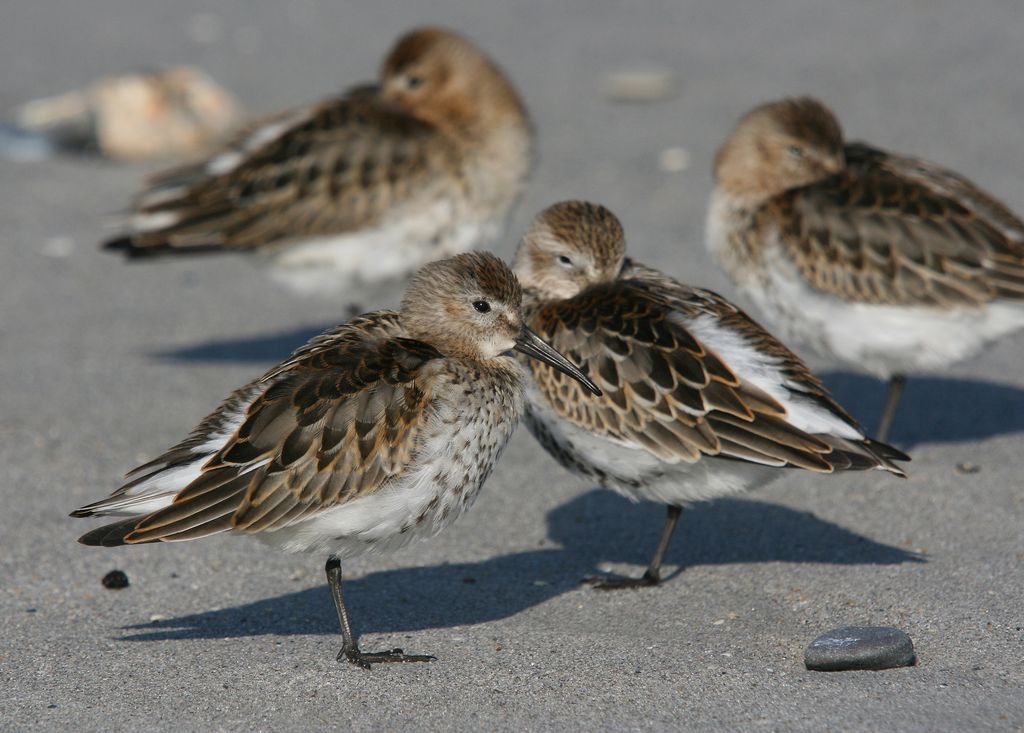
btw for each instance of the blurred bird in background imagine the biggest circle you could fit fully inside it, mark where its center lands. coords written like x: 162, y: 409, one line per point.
x: 369, y: 186
x: 879, y: 261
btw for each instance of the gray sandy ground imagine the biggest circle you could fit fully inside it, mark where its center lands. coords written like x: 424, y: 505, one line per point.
x: 104, y: 364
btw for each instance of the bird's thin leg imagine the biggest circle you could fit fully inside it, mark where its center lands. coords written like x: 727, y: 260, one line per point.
x: 349, y: 647
x: 672, y: 514
x: 652, y: 576
x: 896, y: 383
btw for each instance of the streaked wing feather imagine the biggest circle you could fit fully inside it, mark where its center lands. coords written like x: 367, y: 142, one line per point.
x: 664, y: 390
x: 333, y: 168
x: 339, y: 423
x: 897, y: 230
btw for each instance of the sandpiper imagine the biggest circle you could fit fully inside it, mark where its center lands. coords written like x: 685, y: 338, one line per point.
x: 375, y: 432
x: 699, y: 400
x: 422, y: 165
x: 879, y: 261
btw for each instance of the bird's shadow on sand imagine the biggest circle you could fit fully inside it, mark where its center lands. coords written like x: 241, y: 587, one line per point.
x: 594, y: 528
x: 933, y: 409
x: 263, y: 349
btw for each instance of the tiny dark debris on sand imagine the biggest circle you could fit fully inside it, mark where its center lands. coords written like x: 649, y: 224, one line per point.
x: 115, y: 580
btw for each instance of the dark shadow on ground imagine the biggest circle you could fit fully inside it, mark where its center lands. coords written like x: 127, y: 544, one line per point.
x: 596, y: 527
x: 933, y: 409
x: 265, y: 349
x: 605, y: 527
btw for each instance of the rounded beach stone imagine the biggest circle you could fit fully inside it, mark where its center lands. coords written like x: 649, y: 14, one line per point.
x: 860, y: 647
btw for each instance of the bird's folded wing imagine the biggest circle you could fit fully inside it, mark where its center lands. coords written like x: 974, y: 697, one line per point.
x: 669, y: 393
x: 336, y: 423
x: 896, y: 230
x: 323, y: 170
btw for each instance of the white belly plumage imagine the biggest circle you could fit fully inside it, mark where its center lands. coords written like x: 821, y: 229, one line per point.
x: 427, y: 498
x: 880, y: 339
x: 464, y: 443
x: 634, y: 472
x: 456, y: 459
x: 392, y: 250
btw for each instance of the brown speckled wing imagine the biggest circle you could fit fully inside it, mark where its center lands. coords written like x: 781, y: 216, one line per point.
x: 336, y: 422
x: 333, y: 169
x: 896, y: 230
x: 667, y: 392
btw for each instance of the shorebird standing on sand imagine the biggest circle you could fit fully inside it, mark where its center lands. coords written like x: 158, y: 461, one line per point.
x: 875, y: 260
x: 699, y: 400
x: 376, y: 432
x: 368, y: 186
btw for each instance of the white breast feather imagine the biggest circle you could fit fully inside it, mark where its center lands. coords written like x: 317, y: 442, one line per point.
x: 637, y: 474
x: 396, y: 247
x: 880, y: 339
x: 389, y: 517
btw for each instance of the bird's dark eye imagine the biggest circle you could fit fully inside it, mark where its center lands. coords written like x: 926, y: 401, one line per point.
x: 564, y: 260
x: 414, y: 82
x: 482, y: 306
x: 795, y: 151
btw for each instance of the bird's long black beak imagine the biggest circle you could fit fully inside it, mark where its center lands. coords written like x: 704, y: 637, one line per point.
x: 531, y: 344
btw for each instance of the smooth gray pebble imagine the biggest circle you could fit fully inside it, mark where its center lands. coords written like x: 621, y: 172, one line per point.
x: 860, y: 647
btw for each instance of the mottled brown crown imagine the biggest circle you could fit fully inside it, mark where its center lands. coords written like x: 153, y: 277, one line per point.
x: 480, y: 272
x: 444, y: 79
x: 592, y: 226
x: 802, y: 118
x: 442, y: 305
x: 780, y: 145
x: 419, y: 43
x: 569, y: 247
